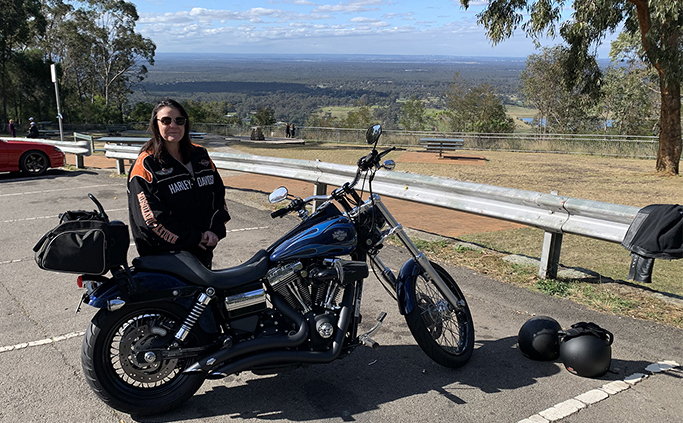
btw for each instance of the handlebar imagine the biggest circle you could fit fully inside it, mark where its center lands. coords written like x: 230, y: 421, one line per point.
x: 372, y: 160
x: 280, y: 212
x: 365, y: 163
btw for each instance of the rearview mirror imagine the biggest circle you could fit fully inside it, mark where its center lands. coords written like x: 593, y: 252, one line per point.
x: 389, y: 165
x: 373, y: 133
x: 278, y: 195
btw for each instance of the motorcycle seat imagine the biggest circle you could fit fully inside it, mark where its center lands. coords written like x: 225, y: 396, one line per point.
x: 187, y: 267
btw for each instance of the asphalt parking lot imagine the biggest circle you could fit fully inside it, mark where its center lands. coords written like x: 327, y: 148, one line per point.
x: 40, y: 341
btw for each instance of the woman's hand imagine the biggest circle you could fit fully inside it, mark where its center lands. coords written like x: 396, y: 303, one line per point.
x: 209, y: 239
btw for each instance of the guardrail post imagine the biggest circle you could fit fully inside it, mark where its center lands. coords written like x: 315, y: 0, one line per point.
x: 120, y: 166
x: 550, y: 256
x: 318, y: 189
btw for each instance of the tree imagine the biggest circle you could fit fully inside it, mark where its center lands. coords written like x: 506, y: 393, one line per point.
x: 562, y: 107
x: 20, y: 22
x: 388, y: 114
x: 140, y: 112
x: 413, y: 115
x: 657, y: 22
x: 359, y: 118
x: 476, y: 109
x: 264, y: 116
x: 215, y: 112
x: 32, y: 84
x: 631, y: 90
x: 101, y: 53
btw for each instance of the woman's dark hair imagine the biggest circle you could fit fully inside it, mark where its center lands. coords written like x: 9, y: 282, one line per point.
x: 156, y: 144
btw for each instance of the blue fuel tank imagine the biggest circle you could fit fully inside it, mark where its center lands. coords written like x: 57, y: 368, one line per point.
x: 332, y: 237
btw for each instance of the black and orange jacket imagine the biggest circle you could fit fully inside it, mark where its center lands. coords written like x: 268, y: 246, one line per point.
x: 170, y: 207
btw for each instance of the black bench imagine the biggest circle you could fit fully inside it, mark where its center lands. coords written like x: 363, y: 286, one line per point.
x: 442, y: 144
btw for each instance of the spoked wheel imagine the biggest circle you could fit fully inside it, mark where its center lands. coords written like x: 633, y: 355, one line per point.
x: 445, y: 332
x: 120, y: 377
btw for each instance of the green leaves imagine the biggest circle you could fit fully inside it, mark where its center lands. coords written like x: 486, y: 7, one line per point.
x: 264, y: 116
x: 413, y: 115
x: 476, y: 109
x: 564, y: 99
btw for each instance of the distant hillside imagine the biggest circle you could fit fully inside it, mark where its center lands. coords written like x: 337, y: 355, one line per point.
x: 294, y: 86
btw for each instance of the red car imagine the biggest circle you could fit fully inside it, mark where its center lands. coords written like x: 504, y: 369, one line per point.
x: 32, y: 158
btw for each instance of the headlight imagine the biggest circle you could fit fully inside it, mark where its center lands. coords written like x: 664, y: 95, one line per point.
x: 58, y: 150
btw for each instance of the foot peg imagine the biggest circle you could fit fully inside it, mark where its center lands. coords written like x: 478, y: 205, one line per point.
x: 368, y: 342
x: 365, y: 338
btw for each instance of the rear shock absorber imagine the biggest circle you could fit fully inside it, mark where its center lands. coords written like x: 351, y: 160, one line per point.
x: 197, y: 311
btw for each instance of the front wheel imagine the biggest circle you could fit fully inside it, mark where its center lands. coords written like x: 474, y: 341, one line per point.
x: 34, y: 163
x: 444, y: 331
x: 113, y: 370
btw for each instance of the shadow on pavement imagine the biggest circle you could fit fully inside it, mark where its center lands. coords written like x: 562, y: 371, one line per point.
x: 368, y: 379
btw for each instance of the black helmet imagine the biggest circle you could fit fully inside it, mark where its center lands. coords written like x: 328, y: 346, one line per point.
x: 586, y: 349
x: 539, y: 338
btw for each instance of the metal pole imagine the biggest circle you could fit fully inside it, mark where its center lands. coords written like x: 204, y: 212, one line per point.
x: 53, y: 71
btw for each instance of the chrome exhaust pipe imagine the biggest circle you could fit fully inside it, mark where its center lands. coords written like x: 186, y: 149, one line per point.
x: 211, y: 361
x: 287, y: 357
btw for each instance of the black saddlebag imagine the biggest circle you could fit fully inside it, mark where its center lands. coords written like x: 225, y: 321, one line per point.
x: 83, y: 242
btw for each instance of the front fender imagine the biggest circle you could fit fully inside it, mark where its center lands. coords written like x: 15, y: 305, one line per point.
x: 149, y: 287
x: 404, y: 286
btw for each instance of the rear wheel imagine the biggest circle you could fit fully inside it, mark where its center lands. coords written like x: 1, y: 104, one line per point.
x: 114, y: 371
x: 445, y: 332
x: 34, y: 163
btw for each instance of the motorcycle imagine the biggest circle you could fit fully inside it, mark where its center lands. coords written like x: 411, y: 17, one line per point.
x: 167, y: 323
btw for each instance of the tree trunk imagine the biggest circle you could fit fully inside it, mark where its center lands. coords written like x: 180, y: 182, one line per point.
x: 669, y: 153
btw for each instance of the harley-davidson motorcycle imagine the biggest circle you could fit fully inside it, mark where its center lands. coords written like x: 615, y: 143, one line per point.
x: 167, y: 323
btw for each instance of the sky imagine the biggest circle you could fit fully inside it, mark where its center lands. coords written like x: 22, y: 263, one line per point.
x: 298, y: 27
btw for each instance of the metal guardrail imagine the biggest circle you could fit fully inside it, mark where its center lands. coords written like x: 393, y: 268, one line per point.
x: 555, y: 214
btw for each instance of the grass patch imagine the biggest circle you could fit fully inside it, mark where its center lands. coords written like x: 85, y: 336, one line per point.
x: 611, y: 261
x: 607, y: 296
x: 553, y: 287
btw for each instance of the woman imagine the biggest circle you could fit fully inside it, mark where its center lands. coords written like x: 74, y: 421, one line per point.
x: 176, y: 198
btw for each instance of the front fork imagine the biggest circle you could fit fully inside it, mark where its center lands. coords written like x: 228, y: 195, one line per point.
x: 408, y: 271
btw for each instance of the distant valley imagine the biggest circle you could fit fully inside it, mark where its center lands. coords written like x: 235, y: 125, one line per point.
x: 295, y: 86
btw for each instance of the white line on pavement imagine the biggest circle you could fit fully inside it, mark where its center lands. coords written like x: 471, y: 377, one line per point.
x: 249, y: 229
x: 49, y: 217
x: 41, y: 342
x: 571, y: 406
x: 53, y: 190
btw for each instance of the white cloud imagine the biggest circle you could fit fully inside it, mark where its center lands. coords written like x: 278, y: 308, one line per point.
x: 398, y: 15
x: 354, y: 6
x: 323, y: 26
x: 361, y: 19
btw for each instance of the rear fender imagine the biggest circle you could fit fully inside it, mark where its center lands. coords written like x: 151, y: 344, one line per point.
x: 404, y: 285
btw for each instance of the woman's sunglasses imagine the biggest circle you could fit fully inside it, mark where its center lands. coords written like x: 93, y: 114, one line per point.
x: 166, y: 120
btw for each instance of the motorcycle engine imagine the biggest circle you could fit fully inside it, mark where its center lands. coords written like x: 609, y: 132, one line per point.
x: 316, y: 285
